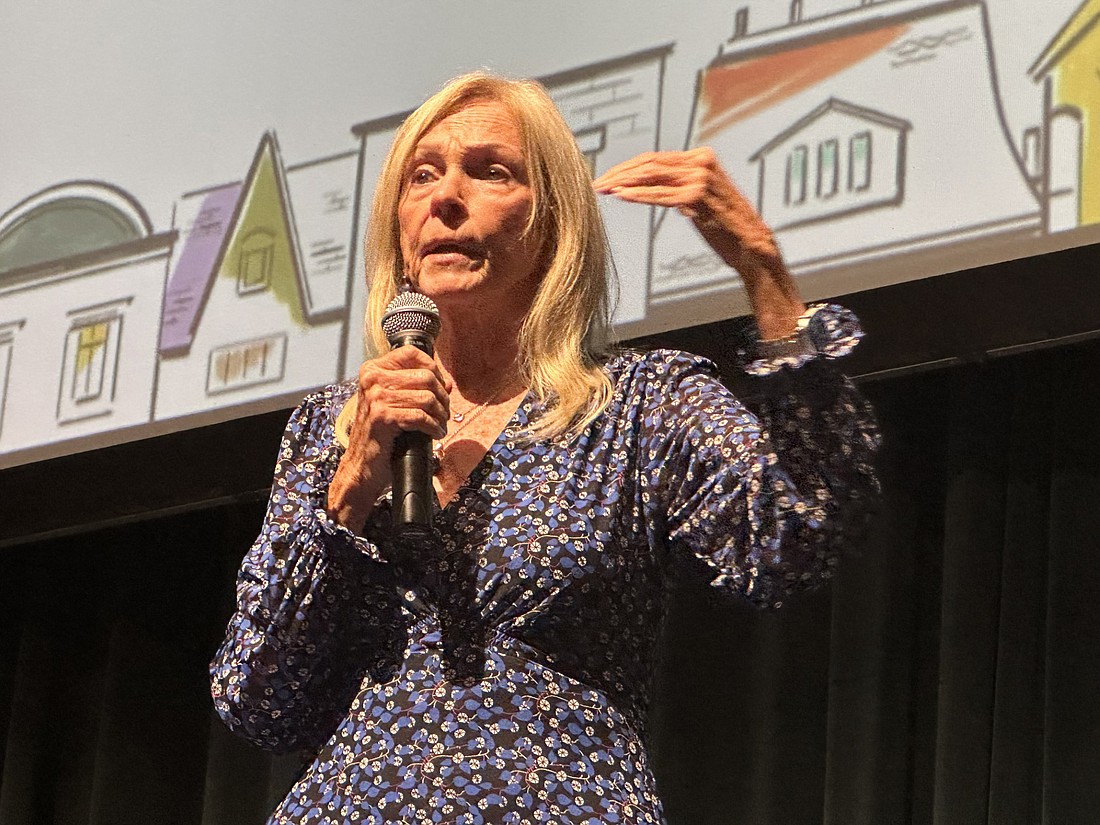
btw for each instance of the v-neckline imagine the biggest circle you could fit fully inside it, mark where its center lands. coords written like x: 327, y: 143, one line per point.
x: 519, y: 417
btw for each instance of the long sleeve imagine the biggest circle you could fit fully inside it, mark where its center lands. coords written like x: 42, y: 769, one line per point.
x: 763, y: 503
x: 316, y: 607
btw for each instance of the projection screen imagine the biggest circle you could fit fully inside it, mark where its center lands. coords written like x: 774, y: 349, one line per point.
x: 184, y: 187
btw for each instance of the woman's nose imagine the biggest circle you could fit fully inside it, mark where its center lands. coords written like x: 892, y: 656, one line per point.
x: 449, y: 196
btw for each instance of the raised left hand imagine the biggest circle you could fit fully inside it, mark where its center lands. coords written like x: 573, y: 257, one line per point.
x: 695, y: 183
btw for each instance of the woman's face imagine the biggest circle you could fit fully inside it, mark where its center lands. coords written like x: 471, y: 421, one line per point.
x: 463, y: 211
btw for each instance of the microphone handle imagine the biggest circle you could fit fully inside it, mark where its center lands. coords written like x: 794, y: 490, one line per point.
x: 411, y: 465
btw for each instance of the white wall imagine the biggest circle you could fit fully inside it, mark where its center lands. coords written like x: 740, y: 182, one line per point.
x: 47, y: 312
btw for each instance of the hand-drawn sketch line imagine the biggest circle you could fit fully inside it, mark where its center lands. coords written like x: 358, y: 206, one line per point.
x: 842, y: 128
x: 856, y: 155
x: 264, y: 251
x: 915, y: 50
x: 1069, y: 69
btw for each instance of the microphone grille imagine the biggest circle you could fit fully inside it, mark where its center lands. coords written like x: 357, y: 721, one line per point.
x: 410, y: 312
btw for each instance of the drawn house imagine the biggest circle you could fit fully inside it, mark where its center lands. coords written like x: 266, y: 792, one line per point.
x: 255, y: 303
x: 872, y: 140
x: 837, y: 160
x: 1069, y: 68
x: 81, y: 283
x: 613, y: 108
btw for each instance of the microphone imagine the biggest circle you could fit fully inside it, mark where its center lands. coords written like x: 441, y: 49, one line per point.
x: 412, y: 318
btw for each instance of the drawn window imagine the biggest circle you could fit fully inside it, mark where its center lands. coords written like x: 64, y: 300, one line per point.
x: 795, y: 189
x: 245, y: 364
x: 7, y: 341
x: 257, y: 258
x: 90, y: 365
x: 72, y: 219
x: 859, y: 162
x: 828, y: 172
x: 91, y: 360
x: 591, y: 143
x: 1033, y: 148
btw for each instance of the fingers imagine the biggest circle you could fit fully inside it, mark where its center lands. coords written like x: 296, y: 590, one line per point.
x: 403, y: 390
x: 683, y: 197
x: 660, y: 168
x: 409, y: 357
x: 649, y: 163
x: 391, y: 409
x: 420, y: 365
x: 388, y: 415
x: 694, y: 183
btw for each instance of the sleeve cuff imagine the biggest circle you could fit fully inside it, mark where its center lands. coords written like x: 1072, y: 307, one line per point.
x: 340, y: 533
x: 827, y: 330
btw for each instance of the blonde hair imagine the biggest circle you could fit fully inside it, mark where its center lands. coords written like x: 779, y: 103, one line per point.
x: 566, y: 332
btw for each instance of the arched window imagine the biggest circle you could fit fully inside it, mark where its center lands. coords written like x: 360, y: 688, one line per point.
x: 67, y: 220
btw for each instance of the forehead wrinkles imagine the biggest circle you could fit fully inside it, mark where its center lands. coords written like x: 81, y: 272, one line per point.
x: 479, y: 125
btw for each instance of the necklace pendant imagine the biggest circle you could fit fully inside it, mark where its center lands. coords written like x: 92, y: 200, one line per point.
x: 458, y: 416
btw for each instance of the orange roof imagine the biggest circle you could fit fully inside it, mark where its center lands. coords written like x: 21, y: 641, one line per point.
x: 734, y: 91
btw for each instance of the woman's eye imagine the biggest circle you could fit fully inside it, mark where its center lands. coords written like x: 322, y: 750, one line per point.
x: 496, y: 172
x: 421, y: 175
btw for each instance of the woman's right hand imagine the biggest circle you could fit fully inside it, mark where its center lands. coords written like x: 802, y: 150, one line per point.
x: 403, y: 390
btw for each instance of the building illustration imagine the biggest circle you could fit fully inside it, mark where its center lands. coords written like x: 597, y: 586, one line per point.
x: 1069, y: 68
x: 873, y: 134
x: 255, y: 301
x: 78, y: 319
x: 873, y: 138
x: 822, y: 167
x: 613, y: 108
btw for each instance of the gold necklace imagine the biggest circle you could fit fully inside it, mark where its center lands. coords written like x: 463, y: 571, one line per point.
x: 465, y: 420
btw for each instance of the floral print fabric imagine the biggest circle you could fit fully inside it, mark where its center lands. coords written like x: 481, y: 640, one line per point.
x: 500, y: 673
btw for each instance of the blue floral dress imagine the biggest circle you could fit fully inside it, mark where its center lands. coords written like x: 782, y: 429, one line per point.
x: 501, y: 674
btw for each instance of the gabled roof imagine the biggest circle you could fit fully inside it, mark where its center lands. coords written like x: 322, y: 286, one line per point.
x: 207, y: 240
x: 852, y: 20
x: 1080, y: 23
x: 732, y: 91
x: 756, y: 72
x: 958, y: 172
x: 832, y: 105
x: 392, y: 121
x: 191, y: 278
x: 323, y: 194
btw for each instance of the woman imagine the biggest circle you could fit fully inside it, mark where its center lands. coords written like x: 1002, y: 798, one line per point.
x: 502, y: 674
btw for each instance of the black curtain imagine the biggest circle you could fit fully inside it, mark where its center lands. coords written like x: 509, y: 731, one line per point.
x: 949, y: 675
